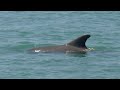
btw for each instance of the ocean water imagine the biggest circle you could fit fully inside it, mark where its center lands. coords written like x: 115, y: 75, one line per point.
x: 23, y: 30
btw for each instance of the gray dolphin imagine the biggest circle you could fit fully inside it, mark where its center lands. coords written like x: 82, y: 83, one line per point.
x: 77, y: 45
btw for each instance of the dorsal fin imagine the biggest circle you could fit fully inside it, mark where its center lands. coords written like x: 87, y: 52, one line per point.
x: 80, y: 41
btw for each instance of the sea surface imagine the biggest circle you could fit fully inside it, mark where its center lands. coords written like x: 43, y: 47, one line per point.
x: 23, y: 30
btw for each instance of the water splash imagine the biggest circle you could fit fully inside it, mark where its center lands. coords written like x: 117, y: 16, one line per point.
x: 91, y: 49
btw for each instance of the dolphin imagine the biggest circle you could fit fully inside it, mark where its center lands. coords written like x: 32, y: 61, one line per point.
x: 77, y: 45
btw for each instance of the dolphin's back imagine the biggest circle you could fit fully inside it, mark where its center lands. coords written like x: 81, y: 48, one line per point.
x: 60, y: 48
x: 76, y: 45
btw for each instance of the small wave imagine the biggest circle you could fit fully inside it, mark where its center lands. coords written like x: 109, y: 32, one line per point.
x: 20, y: 47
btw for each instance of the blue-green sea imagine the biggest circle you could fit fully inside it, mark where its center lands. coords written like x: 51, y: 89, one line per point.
x: 23, y: 30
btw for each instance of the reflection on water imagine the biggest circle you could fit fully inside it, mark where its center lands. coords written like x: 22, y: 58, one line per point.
x: 80, y: 54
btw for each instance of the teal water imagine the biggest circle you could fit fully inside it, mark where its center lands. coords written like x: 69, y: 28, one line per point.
x: 22, y: 30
